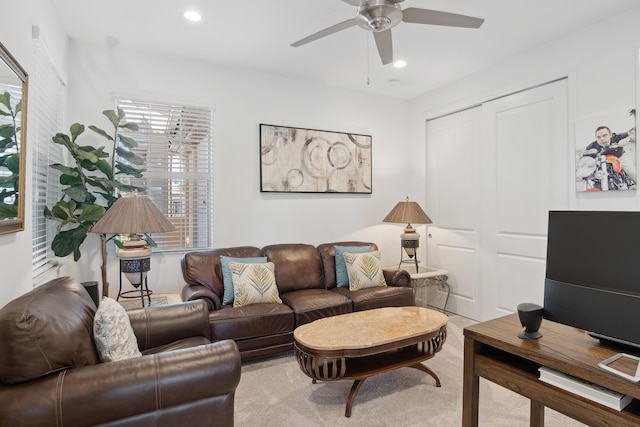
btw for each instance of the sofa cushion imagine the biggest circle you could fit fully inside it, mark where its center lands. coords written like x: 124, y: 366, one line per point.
x: 386, y: 296
x: 251, y: 321
x: 312, y: 304
x: 227, y: 297
x: 364, y: 270
x: 297, y: 266
x: 342, y: 276
x: 253, y: 284
x: 113, y: 334
x: 45, y: 330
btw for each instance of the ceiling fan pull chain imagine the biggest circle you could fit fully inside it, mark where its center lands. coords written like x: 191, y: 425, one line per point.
x: 368, y: 62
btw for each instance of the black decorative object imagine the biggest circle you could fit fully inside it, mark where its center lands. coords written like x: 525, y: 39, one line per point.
x: 530, y: 318
x: 92, y: 289
x: 136, y: 266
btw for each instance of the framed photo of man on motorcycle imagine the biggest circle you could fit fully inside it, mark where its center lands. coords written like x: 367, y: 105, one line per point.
x: 606, y: 152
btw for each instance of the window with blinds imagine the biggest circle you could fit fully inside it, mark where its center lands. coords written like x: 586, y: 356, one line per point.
x: 176, y: 144
x: 46, y: 89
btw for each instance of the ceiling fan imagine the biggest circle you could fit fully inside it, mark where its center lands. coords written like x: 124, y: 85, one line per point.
x: 379, y: 16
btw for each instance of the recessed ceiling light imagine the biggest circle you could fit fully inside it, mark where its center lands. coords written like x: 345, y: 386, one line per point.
x: 193, y: 16
x: 400, y: 63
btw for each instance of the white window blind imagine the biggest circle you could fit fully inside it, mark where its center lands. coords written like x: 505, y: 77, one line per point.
x: 45, y: 111
x: 175, y: 142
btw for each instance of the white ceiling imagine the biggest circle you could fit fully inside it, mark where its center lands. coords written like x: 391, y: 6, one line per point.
x: 256, y: 34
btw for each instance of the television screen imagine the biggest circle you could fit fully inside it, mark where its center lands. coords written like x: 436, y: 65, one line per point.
x: 593, y: 272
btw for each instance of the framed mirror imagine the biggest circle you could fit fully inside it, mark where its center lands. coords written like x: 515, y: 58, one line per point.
x: 13, y: 137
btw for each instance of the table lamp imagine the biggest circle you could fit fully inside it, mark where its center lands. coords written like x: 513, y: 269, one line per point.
x: 134, y: 215
x: 408, y: 212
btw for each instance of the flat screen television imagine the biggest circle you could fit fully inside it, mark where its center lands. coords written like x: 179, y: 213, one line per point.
x: 593, y: 273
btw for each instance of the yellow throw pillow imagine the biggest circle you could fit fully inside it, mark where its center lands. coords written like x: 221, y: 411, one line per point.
x: 254, y: 284
x: 364, y: 270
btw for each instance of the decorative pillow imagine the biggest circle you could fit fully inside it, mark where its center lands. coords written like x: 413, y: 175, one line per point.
x: 342, y: 278
x: 364, y: 270
x: 112, y: 332
x: 254, y: 283
x: 227, y: 297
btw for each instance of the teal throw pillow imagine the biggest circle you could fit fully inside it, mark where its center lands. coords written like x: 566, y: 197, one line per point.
x: 227, y: 280
x: 342, y: 278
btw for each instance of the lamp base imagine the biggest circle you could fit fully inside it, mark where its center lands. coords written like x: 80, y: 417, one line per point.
x: 409, y: 243
x: 135, y: 264
x: 411, y: 260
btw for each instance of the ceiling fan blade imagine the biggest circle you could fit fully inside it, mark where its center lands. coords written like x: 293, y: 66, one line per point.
x: 352, y: 2
x: 416, y: 15
x: 327, y: 31
x: 384, y: 45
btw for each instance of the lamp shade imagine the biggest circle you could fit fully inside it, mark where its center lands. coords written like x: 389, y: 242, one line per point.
x: 133, y: 215
x: 407, y: 212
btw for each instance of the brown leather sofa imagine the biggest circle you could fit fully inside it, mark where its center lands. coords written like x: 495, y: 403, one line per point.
x: 306, y: 280
x: 51, y: 375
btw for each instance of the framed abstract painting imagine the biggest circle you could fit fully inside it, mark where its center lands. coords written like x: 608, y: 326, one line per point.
x: 298, y: 160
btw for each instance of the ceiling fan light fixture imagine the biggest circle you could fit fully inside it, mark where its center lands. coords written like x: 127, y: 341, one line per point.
x: 379, y: 15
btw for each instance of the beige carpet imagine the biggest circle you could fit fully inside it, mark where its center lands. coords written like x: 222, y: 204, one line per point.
x: 156, y: 299
x: 275, y: 392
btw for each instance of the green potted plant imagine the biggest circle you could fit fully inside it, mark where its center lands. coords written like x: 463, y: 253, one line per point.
x: 9, y: 157
x: 92, y: 184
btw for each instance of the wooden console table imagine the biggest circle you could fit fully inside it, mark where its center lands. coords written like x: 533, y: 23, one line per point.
x: 492, y: 350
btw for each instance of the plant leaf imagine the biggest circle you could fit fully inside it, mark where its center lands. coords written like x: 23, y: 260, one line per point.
x: 131, y: 126
x: 112, y: 116
x: 8, y: 211
x: 77, y: 193
x: 127, y: 141
x: 129, y: 170
x: 62, y: 139
x: 68, y: 241
x: 65, y: 169
x: 76, y: 130
x: 105, y: 168
x: 130, y: 156
x: 7, y: 131
x: 13, y: 163
x: 5, y: 99
x: 91, y: 213
x: 100, y: 132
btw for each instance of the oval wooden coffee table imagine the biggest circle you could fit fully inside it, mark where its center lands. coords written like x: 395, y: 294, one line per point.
x: 355, y: 346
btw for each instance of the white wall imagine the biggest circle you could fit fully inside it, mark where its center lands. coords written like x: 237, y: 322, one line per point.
x: 15, y: 35
x: 242, y: 100
x: 601, y: 64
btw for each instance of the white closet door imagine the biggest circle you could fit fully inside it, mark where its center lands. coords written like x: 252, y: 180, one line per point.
x: 453, y: 204
x: 508, y: 171
x: 529, y: 149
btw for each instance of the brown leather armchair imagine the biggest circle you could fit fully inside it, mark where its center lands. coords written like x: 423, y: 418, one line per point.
x: 50, y: 372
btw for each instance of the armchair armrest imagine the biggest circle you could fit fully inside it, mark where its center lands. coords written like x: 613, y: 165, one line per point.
x: 160, y: 325
x: 192, y: 387
x: 400, y: 278
x: 193, y: 292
